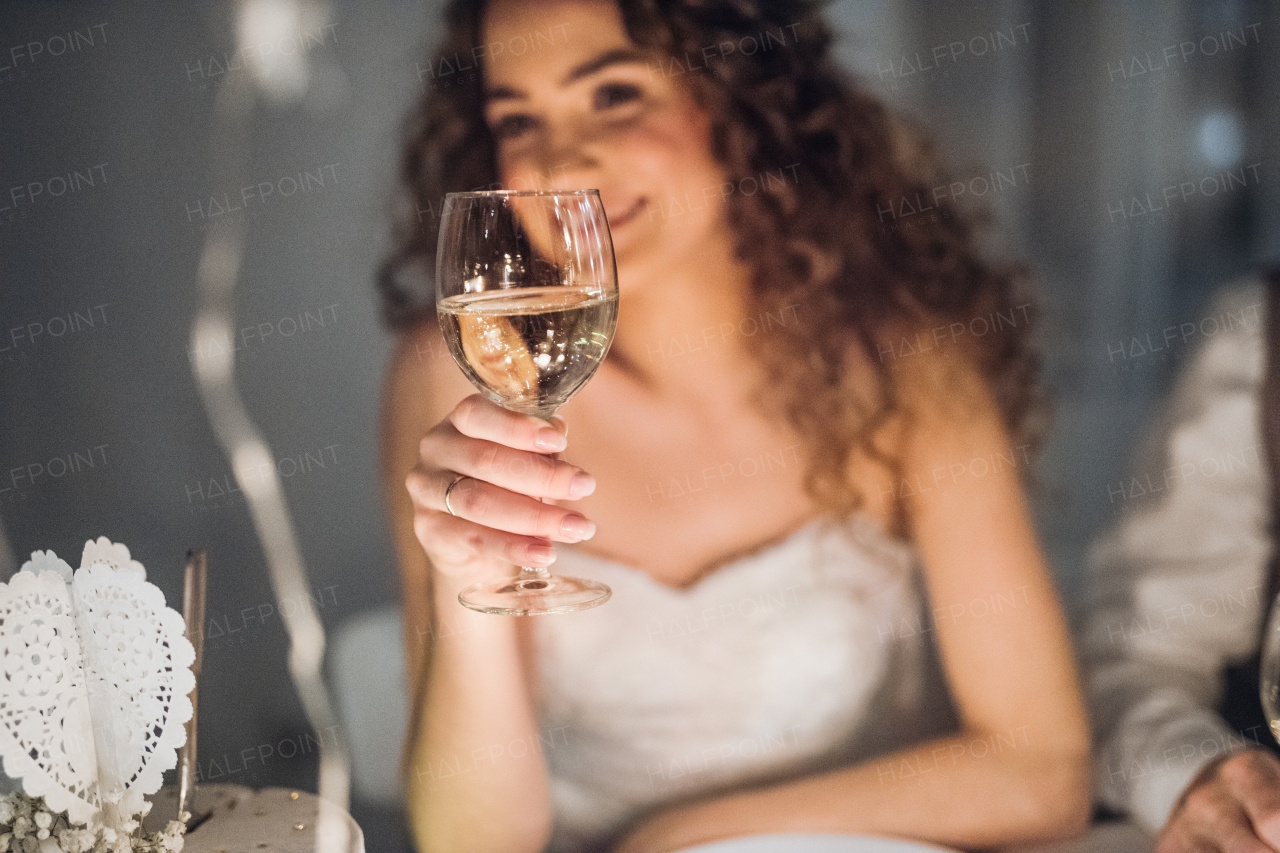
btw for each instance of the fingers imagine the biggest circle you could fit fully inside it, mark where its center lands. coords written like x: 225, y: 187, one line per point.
x: 487, y: 504
x: 509, y: 450
x: 491, y: 506
x: 1225, y: 807
x: 494, y: 467
x: 476, y: 417
x: 1176, y: 839
x: 538, y: 475
x: 1253, y: 778
x: 1208, y: 822
x: 458, y: 543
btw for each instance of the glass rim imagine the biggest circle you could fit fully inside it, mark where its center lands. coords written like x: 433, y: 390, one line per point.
x: 520, y: 193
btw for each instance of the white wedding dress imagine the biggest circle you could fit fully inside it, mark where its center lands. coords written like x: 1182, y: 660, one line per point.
x: 811, y: 654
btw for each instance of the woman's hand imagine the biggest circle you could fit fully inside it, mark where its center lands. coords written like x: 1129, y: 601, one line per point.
x: 501, y: 465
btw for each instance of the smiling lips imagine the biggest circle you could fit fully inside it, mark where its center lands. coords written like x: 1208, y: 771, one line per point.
x: 627, y: 215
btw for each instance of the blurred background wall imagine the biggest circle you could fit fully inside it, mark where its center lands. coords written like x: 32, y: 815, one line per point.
x: 1068, y: 122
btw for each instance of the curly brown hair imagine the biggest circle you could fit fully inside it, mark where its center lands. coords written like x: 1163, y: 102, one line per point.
x: 832, y: 239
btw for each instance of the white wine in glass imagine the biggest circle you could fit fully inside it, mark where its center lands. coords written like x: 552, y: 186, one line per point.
x: 527, y: 294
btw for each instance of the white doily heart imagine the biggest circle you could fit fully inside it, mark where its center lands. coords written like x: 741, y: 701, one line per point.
x: 97, y: 672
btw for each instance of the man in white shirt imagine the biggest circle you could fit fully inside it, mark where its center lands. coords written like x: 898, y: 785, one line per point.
x: 1178, y: 591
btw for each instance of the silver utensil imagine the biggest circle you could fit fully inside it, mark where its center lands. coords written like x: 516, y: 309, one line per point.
x: 193, y: 598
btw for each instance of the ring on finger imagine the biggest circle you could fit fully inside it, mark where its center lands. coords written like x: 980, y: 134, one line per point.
x: 457, y: 479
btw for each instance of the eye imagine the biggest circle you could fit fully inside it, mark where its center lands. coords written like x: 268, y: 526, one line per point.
x: 615, y: 94
x: 512, y: 125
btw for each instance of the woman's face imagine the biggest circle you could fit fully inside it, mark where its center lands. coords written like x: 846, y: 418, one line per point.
x: 574, y: 104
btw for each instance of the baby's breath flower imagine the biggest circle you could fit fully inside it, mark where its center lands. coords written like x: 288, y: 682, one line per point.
x: 88, y: 838
x: 30, y: 827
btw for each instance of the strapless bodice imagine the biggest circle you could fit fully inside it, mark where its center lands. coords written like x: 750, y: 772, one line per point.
x: 810, y: 654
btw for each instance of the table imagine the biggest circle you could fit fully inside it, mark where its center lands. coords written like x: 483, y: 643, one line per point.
x: 241, y: 820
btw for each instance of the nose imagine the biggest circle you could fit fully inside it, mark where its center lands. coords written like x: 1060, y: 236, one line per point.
x: 568, y: 159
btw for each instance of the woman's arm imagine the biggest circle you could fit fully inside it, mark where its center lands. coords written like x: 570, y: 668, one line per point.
x: 409, y: 409
x: 468, y: 671
x: 1019, y: 768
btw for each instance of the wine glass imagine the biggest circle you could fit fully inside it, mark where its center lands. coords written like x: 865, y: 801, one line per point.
x: 527, y: 294
x: 1269, y: 668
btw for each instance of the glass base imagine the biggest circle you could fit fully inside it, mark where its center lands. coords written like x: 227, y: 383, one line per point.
x: 535, y: 596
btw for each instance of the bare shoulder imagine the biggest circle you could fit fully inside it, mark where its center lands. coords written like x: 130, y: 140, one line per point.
x: 963, y: 474
x: 948, y: 406
x: 941, y: 413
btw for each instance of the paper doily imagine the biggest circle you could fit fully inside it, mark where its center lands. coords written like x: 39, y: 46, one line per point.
x: 96, y: 677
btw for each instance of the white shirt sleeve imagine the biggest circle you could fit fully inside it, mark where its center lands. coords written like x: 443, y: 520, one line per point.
x: 1177, y: 584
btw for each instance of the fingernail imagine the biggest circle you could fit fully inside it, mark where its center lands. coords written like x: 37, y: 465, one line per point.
x: 540, y: 555
x: 549, y: 439
x: 577, y: 527
x: 583, y: 484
